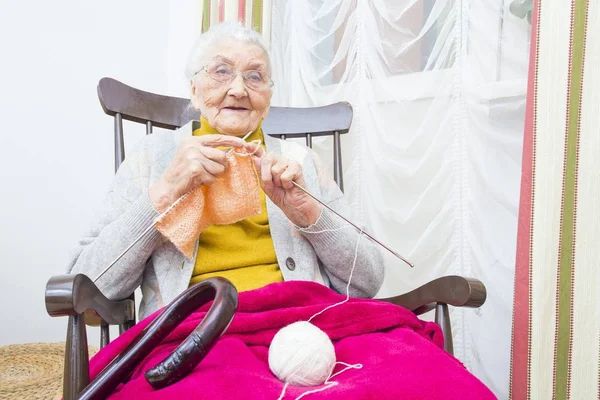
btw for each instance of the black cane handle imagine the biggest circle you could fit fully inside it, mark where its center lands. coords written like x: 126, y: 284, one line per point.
x: 197, y: 345
x: 188, y: 354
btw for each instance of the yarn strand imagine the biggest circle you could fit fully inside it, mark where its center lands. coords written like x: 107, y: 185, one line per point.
x: 283, y: 391
x: 328, y: 384
x: 349, y: 281
x: 348, y: 366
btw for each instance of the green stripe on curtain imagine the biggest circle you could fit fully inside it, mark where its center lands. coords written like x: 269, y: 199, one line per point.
x: 205, y: 16
x: 257, y: 8
x: 562, y: 371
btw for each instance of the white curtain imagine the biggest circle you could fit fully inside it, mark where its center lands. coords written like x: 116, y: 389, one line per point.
x: 432, y: 162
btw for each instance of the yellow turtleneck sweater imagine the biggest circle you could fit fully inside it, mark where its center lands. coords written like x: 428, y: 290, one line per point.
x: 242, y: 252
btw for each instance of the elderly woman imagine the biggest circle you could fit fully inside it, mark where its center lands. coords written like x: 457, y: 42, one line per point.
x: 293, y: 238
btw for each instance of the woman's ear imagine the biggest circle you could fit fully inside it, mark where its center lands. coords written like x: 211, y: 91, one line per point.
x: 195, y: 95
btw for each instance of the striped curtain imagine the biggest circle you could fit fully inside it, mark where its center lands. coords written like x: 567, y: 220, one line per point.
x: 556, y: 325
x: 252, y: 13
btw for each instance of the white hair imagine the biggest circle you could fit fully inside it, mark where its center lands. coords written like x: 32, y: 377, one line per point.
x: 217, y: 33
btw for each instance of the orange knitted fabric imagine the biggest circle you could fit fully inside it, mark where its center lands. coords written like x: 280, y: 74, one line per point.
x: 233, y: 197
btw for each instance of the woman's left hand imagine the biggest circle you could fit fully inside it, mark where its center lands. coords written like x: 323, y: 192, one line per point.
x: 276, y: 173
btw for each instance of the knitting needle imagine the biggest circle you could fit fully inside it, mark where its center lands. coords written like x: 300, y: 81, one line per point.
x: 156, y: 220
x: 247, y: 136
x: 125, y: 251
x: 354, y: 225
x: 301, y: 188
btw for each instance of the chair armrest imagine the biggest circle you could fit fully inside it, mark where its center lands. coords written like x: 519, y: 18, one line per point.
x: 453, y: 290
x: 438, y: 294
x: 77, y: 297
x: 77, y: 294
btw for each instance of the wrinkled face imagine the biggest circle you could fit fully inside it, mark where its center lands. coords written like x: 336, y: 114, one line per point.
x: 232, y: 107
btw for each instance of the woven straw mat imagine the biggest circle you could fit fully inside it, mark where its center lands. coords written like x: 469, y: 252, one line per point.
x: 32, y: 371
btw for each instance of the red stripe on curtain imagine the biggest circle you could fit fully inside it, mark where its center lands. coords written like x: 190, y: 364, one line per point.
x: 521, y: 335
x: 221, y: 10
x: 242, y: 11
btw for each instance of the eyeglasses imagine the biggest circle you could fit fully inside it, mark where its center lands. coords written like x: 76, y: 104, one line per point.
x: 225, y: 73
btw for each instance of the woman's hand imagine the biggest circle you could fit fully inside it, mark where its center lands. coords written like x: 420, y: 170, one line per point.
x: 276, y: 174
x: 197, y: 162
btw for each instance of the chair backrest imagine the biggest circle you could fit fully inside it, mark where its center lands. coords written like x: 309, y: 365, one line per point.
x: 153, y: 110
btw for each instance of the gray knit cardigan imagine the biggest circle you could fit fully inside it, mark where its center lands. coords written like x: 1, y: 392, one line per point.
x: 323, y: 252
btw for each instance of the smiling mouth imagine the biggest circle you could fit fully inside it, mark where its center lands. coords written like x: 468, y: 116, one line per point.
x: 236, y: 108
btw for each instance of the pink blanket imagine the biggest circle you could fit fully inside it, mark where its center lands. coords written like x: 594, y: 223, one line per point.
x: 401, y: 355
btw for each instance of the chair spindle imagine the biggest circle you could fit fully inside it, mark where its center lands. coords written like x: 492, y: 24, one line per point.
x: 104, y: 334
x: 119, y: 144
x: 442, y: 318
x: 148, y: 127
x: 337, y: 160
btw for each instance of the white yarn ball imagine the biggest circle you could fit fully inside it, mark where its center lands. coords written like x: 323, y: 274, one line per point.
x: 302, y: 355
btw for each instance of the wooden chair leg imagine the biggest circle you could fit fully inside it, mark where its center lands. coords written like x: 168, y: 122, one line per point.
x: 76, y: 373
x: 442, y: 318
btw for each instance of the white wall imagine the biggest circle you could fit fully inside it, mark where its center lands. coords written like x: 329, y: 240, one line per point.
x: 56, y: 151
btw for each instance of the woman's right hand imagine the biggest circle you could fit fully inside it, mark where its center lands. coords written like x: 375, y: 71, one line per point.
x: 197, y: 162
